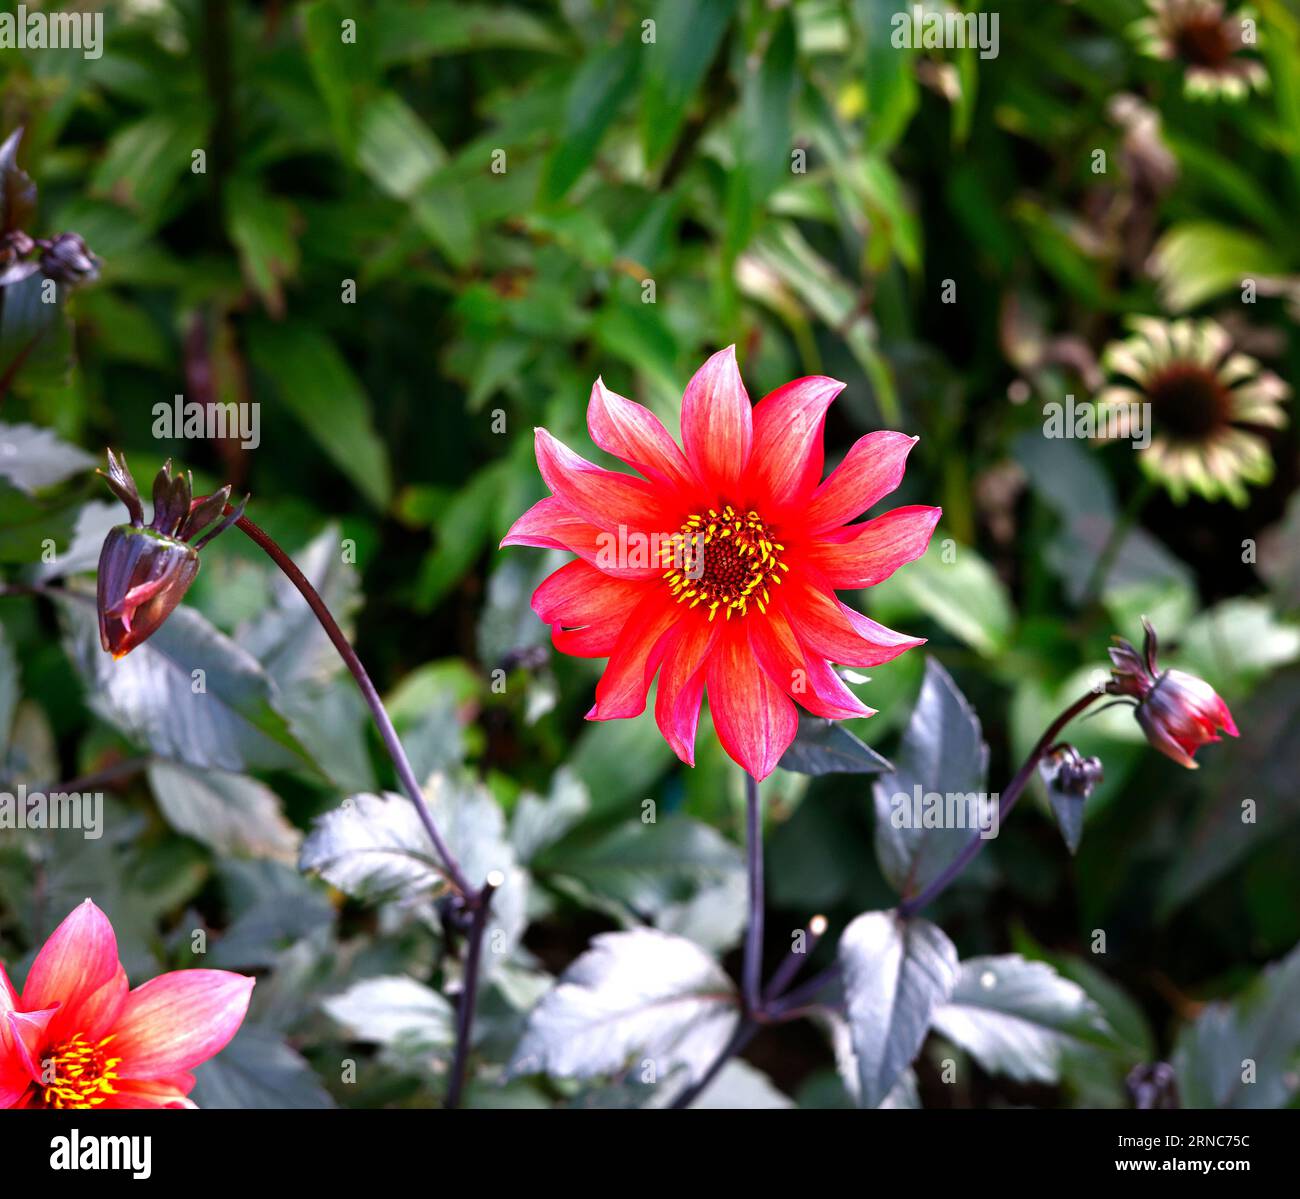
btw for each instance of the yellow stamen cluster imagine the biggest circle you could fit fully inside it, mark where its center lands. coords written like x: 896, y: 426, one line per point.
x: 78, y: 1074
x: 723, y: 560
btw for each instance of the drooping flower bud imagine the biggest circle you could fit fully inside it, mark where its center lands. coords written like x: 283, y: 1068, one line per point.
x: 1178, y: 711
x: 145, y: 570
x: 67, y: 260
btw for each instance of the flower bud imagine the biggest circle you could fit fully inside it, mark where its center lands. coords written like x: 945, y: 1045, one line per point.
x: 67, y: 260
x: 145, y: 570
x: 1178, y: 712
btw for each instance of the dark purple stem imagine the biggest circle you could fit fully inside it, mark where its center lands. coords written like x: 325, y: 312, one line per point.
x: 469, y: 991
x: 478, y: 902
x: 808, y: 992
x: 909, y: 907
x: 368, y: 691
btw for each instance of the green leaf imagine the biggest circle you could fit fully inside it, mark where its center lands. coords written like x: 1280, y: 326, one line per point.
x: 895, y: 973
x: 258, y: 1070
x: 397, y: 1012
x: 763, y: 133
x: 35, y: 337
x: 414, y: 32
x: 599, y: 88
x: 261, y: 227
x: 687, y: 35
x: 189, y: 693
x: 538, y: 823
x: 395, y: 148
x: 230, y: 813
x: 1015, y: 1017
x: 313, y: 381
x: 647, y: 866
x: 1195, y: 261
x: 954, y: 586
x: 892, y: 92
x: 632, y: 995
x: 33, y: 459
x: 825, y: 747
x: 1243, y: 1054
x: 286, y: 636
x: 146, y: 160
x: 374, y: 848
x: 942, y: 755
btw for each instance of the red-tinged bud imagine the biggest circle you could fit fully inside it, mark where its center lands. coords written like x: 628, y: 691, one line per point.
x: 145, y: 570
x: 1178, y: 711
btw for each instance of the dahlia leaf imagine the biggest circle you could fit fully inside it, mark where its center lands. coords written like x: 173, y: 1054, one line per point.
x: 1016, y: 1017
x: 32, y: 458
x: 189, y: 693
x: 825, y: 747
x: 942, y: 765
x: 634, y: 999
x: 895, y: 973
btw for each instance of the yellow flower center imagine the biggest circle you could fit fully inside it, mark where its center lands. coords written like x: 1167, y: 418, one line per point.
x: 78, y: 1074
x: 723, y: 560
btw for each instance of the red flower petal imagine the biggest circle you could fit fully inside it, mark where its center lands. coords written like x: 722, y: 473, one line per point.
x: 788, y: 457
x: 586, y: 609
x: 177, y: 1020
x: 866, y: 554
x: 633, y: 433
x: 807, y: 679
x: 681, y: 683
x: 605, y: 499
x: 78, y: 960
x: 22, y: 1035
x: 754, y: 718
x: 836, y: 632
x: 549, y: 524
x: 622, y: 688
x: 150, y: 1093
x: 717, y: 422
x: 869, y: 472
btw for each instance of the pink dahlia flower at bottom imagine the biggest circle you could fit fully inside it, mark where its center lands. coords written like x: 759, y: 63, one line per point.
x: 79, y: 1038
x: 718, y: 569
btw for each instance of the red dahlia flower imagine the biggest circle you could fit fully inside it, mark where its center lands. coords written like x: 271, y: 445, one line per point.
x: 721, y: 565
x: 78, y: 1038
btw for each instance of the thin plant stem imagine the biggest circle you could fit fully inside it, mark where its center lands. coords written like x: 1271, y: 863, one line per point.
x: 783, y: 1006
x: 789, y: 969
x: 1009, y: 797
x: 479, y: 902
x: 469, y: 990
x: 371, y: 695
x: 753, y: 968
x: 744, y: 1033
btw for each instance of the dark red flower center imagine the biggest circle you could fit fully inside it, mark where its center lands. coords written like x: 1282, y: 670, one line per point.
x: 723, y: 560
x: 1189, y: 401
x: 1204, y: 41
x: 77, y: 1074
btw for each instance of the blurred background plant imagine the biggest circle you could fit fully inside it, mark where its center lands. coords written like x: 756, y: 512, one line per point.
x: 412, y: 231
